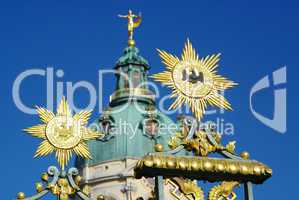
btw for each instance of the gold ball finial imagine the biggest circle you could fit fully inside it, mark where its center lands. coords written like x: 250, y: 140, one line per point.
x: 131, y: 43
x: 39, y: 187
x: 101, y: 197
x: 245, y: 155
x: 159, y: 148
x: 45, y: 177
x: 21, y: 195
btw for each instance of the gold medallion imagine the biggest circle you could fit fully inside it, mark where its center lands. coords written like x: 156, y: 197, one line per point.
x: 194, y: 81
x: 63, y: 133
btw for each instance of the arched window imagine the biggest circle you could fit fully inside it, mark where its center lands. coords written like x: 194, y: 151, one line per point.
x: 136, y: 78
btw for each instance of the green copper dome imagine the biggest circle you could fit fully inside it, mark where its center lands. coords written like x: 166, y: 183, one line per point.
x: 128, y: 135
x: 132, y: 124
x: 131, y: 56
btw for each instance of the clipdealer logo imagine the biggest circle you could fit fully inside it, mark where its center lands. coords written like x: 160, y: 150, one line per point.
x: 278, y: 83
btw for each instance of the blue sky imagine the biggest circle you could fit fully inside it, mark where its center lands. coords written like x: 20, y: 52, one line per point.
x: 81, y: 37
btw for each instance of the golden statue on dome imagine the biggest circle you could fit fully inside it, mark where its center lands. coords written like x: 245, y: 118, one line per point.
x: 132, y: 23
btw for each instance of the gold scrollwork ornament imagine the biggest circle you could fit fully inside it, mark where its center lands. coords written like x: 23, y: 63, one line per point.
x: 224, y: 191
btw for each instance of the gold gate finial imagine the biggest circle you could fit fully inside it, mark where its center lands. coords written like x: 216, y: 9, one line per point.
x: 131, y: 25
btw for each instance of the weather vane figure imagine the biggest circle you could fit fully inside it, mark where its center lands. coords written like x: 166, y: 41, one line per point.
x: 133, y: 22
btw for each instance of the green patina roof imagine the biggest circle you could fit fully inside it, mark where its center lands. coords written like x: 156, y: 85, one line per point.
x: 129, y: 140
x: 131, y: 56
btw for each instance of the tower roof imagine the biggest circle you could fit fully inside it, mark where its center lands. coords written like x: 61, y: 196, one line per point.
x: 131, y: 78
x: 128, y: 117
x: 131, y: 57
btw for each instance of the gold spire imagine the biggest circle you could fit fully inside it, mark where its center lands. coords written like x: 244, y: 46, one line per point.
x: 131, y: 25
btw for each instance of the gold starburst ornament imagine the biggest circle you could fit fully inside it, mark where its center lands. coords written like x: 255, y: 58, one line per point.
x: 194, y: 81
x: 63, y: 133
